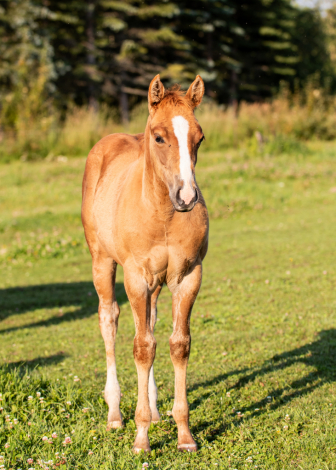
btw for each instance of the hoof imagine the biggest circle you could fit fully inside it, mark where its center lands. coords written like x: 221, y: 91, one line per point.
x: 141, y: 442
x: 187, y: 447
x: 155, y: 417
x: 137, y: 450
x: 114, y: 425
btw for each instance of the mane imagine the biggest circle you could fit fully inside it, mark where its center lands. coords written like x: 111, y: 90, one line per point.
x: 174, y: 96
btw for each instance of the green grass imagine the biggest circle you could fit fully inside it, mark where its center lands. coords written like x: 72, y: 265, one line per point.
x: 262, y: 370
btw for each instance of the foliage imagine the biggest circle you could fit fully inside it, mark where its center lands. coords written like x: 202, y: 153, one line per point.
x: 26, y: 69
x: 55, y: 55
x: 288, y: 120
x: 264, y: 52
x: 261, y: 376
x: 330, y: 34
x: 311, y: 38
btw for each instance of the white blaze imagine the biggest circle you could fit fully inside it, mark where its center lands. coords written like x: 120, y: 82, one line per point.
x: 181, y: 129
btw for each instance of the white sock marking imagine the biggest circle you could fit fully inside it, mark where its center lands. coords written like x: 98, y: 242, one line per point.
x: 181, y: 129
x: 152, y: 390
x: 152, y: 394
x: 112, y: 390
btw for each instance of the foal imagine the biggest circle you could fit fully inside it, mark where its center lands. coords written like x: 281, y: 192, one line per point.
x: 142, y: 209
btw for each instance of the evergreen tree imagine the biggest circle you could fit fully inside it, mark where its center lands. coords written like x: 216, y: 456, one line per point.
x: 107, y: 51
x: 210, y: 30
x: 65, y: 27
x: 264, y: 52
x: 137, y: 42
x: 325, y: 47
x: 26, y: 66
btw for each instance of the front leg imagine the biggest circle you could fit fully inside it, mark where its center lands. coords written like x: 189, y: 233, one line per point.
x: 104, y: 274
x: 184, y: 296
x: 152, y: 384
x: 143, y: 351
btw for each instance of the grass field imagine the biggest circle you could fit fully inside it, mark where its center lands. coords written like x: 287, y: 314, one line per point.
x: 262, y: 371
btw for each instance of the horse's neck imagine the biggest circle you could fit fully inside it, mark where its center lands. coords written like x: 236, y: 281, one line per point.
x: 154, y: 191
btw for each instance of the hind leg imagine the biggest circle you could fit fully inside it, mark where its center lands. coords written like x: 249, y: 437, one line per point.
x: 152, y: 388
x: 104, y: 273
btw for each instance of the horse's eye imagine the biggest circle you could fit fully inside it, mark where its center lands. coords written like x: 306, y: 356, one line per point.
x: 199, y: 143
x: 159, y: 139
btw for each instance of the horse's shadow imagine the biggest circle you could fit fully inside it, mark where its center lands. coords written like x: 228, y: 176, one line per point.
x: 82, y: 295
x: 319, y: 355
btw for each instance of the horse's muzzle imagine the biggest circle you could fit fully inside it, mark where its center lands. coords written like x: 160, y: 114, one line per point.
x: 181, y: 206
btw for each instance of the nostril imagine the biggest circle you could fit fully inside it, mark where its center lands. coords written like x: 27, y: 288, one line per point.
x: 178, y: 197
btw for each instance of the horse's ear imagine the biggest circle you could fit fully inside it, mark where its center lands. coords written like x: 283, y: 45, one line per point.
x: 155, y: 93
x: 196, y: 91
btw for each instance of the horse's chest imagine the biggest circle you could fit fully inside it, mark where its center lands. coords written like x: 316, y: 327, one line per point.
x: 164, y: 251
x: 156, y: 260
x: 153, y: 263
x: 173, y: 259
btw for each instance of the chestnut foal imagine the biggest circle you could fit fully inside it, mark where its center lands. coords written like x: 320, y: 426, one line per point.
x: 142, y: 209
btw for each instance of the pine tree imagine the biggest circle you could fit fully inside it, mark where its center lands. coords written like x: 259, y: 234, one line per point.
x: 210, y: 31
x: 141, y: 43
x: 26, y: 66
x: 65, y: 27
x: 264, y: 52
x: 107, y: 51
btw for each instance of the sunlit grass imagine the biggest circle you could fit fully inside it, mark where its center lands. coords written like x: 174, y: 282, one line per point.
x: 262, y: 368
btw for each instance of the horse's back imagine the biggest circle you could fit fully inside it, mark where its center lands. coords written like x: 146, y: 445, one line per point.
x: 111, y: 155
x: 108, y: 150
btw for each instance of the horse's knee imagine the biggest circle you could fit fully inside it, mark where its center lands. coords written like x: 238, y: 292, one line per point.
x: 179, y: 346
x: 144, y: 349
x: 115, y: 311
x: 109, y: 314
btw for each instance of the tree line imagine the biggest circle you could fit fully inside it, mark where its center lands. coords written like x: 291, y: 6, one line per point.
x: 58, y: 53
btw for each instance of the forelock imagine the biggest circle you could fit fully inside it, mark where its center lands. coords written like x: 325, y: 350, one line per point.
x: 176, y: 97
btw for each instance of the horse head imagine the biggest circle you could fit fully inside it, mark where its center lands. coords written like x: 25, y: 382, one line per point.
x: 174, y: 139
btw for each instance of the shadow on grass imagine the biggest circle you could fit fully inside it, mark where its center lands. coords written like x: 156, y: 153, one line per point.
x: 319, y: 355
x: 23, y: 366
x: 18, y: 300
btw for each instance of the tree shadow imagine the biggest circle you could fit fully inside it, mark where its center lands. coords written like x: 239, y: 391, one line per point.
x: 319, y: 355
x: 23, y: 366
x: 17, y: 300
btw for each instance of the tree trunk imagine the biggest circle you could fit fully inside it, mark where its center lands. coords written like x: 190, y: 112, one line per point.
x: 90, y: 57
x: 233, y: 99
x: 123, y: 101
x: 209, y: 54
